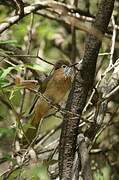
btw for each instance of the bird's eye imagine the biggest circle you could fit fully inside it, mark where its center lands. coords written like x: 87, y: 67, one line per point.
x: 64, y: 66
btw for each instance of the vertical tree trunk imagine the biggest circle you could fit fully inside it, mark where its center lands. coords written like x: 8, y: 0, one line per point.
x: 82, y: 84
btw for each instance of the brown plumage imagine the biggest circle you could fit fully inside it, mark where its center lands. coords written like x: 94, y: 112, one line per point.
x: 56, y: 89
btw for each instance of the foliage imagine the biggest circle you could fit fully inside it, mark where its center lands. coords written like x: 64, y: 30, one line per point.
x: 43, y: 34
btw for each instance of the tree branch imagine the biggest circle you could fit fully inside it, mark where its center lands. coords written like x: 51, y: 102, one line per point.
x: 68, y: 14
x: 85, y: 161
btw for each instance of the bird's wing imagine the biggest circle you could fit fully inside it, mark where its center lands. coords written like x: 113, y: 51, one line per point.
x: 42, y: 89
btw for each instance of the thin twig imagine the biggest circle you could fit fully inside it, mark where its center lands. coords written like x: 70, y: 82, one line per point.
x: 99, y: 131
x: 33, y: 56
x: 27, y: 50
x: 18, y: 119
x: 113, y: 42
x: 73, y: 30
x: 62, y: 110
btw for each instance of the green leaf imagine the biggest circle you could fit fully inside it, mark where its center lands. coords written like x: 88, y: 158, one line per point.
x: 36, y: 67
x: 12, y: 94
x: 6, y: 157
x: 19, y: 67
x: 15, y: 96
x: 8, y: 42
x: 36, y: 172
x: 3, y: 83
x: 6, y: 72
x: 6, y: 132
x: 15, y: 174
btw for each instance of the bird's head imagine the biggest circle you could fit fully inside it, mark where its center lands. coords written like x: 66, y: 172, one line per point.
x: 63, y: 67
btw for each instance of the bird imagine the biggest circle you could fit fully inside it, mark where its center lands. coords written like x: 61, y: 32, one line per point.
x: 58, y: 84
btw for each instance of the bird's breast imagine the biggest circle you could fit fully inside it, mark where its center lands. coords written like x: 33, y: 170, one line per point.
x: 57, y: 90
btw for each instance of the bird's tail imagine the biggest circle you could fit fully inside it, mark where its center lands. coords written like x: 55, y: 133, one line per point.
x: 40, y: 110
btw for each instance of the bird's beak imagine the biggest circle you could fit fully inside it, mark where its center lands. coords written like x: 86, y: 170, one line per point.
x: 68, y: 71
